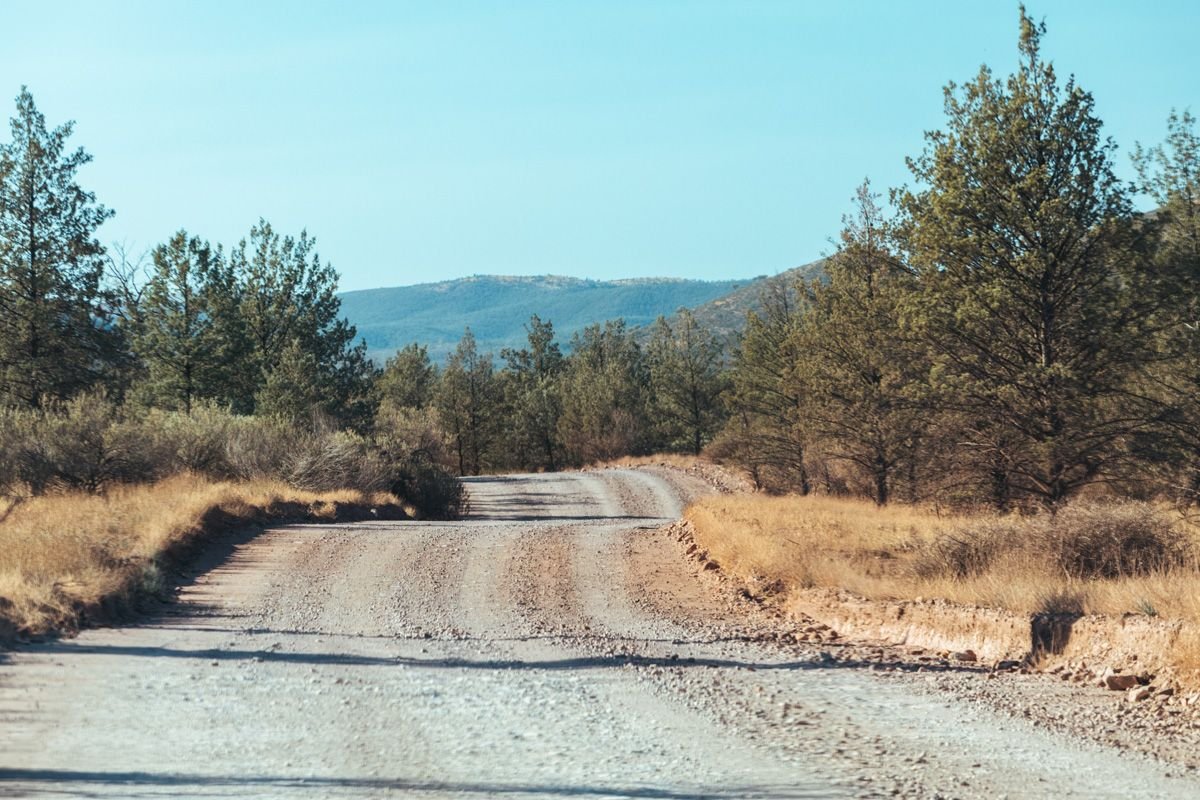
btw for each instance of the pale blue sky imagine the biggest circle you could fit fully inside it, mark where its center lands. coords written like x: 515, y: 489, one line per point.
x: 423, y: 141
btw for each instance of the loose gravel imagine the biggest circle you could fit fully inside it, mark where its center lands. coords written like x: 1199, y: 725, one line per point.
x: 556, y: 644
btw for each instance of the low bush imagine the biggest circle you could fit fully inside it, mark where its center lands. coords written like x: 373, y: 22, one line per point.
x: 93, y: 445
x: 1083, y: 541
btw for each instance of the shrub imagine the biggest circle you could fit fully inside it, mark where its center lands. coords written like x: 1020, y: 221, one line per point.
x: 433, y: 492
x: 1112, y: 540
x: 1083, y: 541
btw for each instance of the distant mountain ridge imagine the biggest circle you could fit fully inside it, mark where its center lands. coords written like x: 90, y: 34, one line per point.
x: 497, y: 307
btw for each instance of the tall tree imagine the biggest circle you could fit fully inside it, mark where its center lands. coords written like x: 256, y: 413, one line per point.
x: 186, y: 337
x: 765, y: 432
x: 687, y: 380
x: 288, y: 297
x: 54, y: 340
x: 534, y: 397
x: 1170, y: 173
x: 1031, y: 300
x: 860, y: 373
x: 468, y: 405
x: 604, y: 403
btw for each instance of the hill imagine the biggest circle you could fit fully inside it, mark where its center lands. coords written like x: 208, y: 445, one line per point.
x: 497, y: 307
x: 726, y: 315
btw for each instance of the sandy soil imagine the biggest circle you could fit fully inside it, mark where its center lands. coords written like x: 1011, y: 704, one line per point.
x: 554, y: 645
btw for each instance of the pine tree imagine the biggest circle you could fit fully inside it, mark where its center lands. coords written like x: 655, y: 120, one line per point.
x: 687, y: 381
x: 1031, y: 299
x: 532, y: 384
x: 408, y: 378
x: 467, y: 400
x: 1170, y: 173
x: 54, y: 334
x: 861, y: 375
x: 293, y: 390
x: 289, y: 296
x: 603, y: 395
x: 187, y: 340
x: 766, y: 432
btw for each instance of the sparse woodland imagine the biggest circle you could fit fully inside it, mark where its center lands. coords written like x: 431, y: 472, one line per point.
x: 1005, y: 333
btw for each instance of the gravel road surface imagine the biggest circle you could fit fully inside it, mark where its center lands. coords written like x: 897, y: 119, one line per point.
x: 553, y: 645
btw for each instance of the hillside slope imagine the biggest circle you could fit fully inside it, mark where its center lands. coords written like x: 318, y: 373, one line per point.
x: 726, y: 315
x: 497, y: 308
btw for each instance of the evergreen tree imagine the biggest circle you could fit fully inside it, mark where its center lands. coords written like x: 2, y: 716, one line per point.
x: 603, y: 395
x: 187, y: 339
x: 686, y: 382
x: 1170, y: 173
x: 1031, y: 299
x: 534, y: 398
x: 293, y: 390
x: 289, y: 296
x: 408, y: 378
x: 467, y: 400
x: 765, y: 432
x: 54, y: 335
x: 861, y: 376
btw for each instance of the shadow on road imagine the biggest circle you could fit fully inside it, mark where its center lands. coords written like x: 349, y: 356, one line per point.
x: 618, y: 660
x: 57, y: 781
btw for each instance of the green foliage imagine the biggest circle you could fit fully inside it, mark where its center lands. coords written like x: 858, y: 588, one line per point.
x: 1030, y: 290
x: 604, y: 403
x: 188, y: 338
x: 408, y: 379
x: 861, y: 374
x: 532, y: 390
x: 467, y: 401
x: 765, y: 432
x: 687, y: 381
x: 54, y: 340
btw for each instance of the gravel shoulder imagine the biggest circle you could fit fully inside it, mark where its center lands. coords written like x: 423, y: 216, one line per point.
x: 556, y: 644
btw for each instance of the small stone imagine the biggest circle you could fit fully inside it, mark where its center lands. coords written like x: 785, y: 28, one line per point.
x: 964, y: 655
x: 1139, y: 693
x: 1120, y: 683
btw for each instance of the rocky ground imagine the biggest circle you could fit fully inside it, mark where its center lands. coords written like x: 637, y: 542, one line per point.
x: 557, y: 644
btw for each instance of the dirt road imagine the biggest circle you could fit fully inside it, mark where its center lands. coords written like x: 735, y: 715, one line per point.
x: 550, y: 646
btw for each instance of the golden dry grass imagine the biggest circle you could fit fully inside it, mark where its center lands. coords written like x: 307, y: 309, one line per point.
x: 678, y: 460
x: 816, y: 541
x: 64, y: 554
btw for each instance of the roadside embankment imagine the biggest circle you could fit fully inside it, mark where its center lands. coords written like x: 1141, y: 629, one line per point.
x: 68, y: 560
x: 1099, y: 590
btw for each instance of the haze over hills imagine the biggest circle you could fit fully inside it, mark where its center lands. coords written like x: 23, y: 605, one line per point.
x: 497, y: 308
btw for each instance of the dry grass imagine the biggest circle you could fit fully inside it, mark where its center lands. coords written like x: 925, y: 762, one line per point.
x: 886, y: 553
x: 678, y: 460
x: 66, y: 556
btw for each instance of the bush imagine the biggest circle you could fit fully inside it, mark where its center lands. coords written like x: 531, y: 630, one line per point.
x: 1083, y: 541
x: 433, y: 492
x: 323, y: 462
x: 1092, y: 540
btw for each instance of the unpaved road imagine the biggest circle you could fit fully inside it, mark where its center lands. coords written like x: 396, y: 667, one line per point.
x: 551, y: 646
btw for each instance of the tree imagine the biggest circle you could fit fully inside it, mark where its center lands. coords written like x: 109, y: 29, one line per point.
x: 686, y: 382
x: 1031, y: 300
x: 604, y: 407
x: 1170, y: 174
x: 408, y: 378
x: 288, y: 296
x: 861, y: 375
x: 54, y: 338
x: 534, y: 398
x: 765, y: 433
x: 186, y: 338
x: 293, y: 390
x: 468, y: 404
